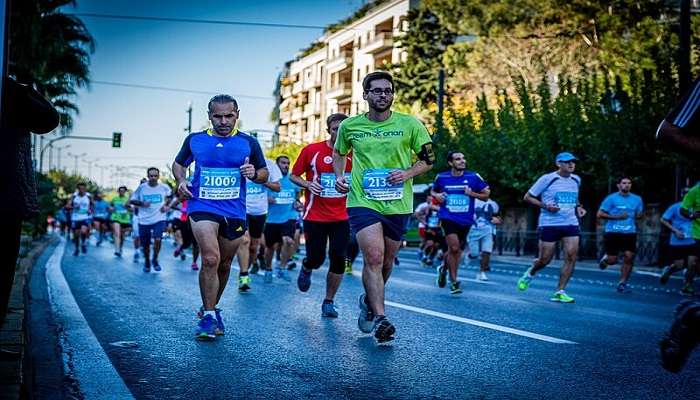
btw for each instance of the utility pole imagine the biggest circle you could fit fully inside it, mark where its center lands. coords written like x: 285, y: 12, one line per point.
x: 189, y: 118
x: 59, y: 155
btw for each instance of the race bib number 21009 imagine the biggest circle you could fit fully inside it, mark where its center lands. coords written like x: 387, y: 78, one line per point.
x: 220, y: 183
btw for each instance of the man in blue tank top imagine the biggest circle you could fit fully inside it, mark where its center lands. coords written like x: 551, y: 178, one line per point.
x: 223, y: 156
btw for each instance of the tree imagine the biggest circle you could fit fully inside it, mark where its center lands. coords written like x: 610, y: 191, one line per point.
x: 51, y: 50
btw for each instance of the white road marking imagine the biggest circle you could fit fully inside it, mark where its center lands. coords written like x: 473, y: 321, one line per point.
x: 481, y: 324
x: 432, y: 275
x: 83, y: 357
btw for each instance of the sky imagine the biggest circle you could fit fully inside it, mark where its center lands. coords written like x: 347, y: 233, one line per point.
x: 237, y: 60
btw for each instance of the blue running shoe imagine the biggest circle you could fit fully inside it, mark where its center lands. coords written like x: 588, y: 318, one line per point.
x: 304, y: 280
x: 283, y: 274
x: 268, y: 276
x: 328, y: 310
x: 365, y: 321
x: 220, y: 329
x: 206, y: 328
x: 156, y: 265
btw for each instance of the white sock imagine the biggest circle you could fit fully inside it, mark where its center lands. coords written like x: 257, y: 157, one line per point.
x: 212, y: 313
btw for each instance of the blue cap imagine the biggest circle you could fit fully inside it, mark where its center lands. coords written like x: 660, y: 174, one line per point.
x: 566, y: 156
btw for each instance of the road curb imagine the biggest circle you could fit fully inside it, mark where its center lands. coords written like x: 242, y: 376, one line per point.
x: 15, y: 365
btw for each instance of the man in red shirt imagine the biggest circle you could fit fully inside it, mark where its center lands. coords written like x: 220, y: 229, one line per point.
x: 325, y: 215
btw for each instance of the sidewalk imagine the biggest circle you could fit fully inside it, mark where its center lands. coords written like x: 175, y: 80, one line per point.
x: 13, y: 342
x: 586, y: 265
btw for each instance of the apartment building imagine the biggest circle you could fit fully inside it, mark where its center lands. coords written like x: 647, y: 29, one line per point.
x: 329, y: 79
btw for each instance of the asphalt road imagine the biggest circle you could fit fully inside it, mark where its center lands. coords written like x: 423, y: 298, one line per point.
x: 489, y: 342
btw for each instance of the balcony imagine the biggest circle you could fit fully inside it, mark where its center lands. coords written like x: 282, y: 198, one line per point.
x: 309, y: 110
x: 381, y: 42
x: 297, y: 88
x: 284, y: 117
x: 297, y: 114
x: 344, y: 89
x: 339, y: 63
x: 286, y: 91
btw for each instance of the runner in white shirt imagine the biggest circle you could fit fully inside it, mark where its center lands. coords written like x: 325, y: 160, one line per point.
x: 81, y: 212
x: 480, y: 237
x: 151, y: 198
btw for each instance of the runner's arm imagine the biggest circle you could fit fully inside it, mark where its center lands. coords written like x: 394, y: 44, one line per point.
x: 274, y: 186
x: 602, y: 214
x: 668, y: 225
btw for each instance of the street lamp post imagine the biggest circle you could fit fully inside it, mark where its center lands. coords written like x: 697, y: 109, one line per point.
x: 76, y: 156
x: 58, y: 161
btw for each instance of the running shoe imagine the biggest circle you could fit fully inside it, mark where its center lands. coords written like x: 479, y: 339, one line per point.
x: 118, y: 254
x: 136, y: 257
x: 83, y: 248
x: 177, y: 252
x: 183, y: 256
x: 383, y: 329
x: 454, y: 288
x: 194, y: 266
x: 561, y: 297
x: 268, y: 276
x: 441, y: 279
x: 156, y: 265
x: 665, y: 274
x: 304, y: 279
x: 283, y: 274
x: 365, y: 321
x: 220, y: 330
x: 688, y: 290
x: 206, y: 328
x: 481, y: 276
x: 396, y: 261
x: 328, y: 310
x: 254, y: 268
x: 623, y: 288
x: 348, y: 267
x: 681, y: 338
x: 76, y: 252
x: 147, y: 266
x: 243, y: 283
x: 603, y: 264
x: 291, y: 265
x: 525, y: 280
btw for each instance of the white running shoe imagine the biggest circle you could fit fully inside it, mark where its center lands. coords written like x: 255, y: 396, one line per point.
x: 481, y: 276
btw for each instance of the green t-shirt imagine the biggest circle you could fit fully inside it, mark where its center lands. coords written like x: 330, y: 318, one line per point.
x: 377, y: 148
x: 121, y: 211
x: 691, y: 202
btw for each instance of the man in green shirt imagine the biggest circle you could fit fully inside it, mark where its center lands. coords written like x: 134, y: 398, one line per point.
x: 121, y: 218
x: 380, y: 195
x: 690, y: 208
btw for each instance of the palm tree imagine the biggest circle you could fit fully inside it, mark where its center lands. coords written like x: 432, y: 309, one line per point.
x: 51, y: 50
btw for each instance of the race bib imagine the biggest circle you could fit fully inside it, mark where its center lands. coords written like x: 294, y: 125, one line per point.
x: 153, y: 198
x: 328, y: 185
x: 254, y: 192
x: 433, y: 221
x: 219, y: 183
x: 376, y: 186
x: 458, y: 203
x: 83, y: 209
x: 119, y: 209
x: 566, y: 200
x: 285, y: 196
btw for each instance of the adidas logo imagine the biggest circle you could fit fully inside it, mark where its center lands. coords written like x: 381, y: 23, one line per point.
x: 219, y: 145
x: 239, y: 228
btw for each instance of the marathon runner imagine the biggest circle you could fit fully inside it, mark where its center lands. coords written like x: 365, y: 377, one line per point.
x: 681, y: 246
x: 690, y: 208
x: 481, y: 234
x: 151, y: 198
x: 456, y: 190
x: 281, y: 222
x: 121, y: 219
x: 419, y: 214
x: 620, y: 211
x: 256, y: 213
x: 81, y: 206
x: 100, y: 217
x: 381, y: 199
x: 325, y: 218
x: 223, y: 155
x: 560, y: 211
x: 434, y: 239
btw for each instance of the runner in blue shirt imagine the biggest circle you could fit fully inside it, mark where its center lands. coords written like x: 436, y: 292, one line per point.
x: 620, y: 211
x: 217, y: 211
x: 560, y: 211
x: 281, y: 222
x: 100, y: 217
x: 681, y: 246
x: 456, y: 190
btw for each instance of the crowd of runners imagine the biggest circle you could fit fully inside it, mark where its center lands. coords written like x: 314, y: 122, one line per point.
x: 351, y: 194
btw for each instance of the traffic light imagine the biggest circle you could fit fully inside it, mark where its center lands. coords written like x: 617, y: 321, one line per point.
x: 116, y: 139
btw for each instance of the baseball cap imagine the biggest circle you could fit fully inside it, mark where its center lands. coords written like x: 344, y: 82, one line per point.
x: 566, y: 156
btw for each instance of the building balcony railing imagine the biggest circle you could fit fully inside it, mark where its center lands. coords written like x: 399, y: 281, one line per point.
x: 297, y: 88
x: 382, y: 41
x: 285, y: 116
x: 297, y: 114
x: 286, y: 91
x: 343, y: 90
x: 339, y: 63
x: 309, y: 110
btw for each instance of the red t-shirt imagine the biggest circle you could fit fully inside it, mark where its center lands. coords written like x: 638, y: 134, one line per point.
x: 316, y: 161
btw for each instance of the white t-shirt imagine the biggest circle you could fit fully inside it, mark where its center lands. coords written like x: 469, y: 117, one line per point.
x: 560, y: 191
x: 157, y: 195
x: 419, y: 210
x: 81, y: 207
x: 256, y: 194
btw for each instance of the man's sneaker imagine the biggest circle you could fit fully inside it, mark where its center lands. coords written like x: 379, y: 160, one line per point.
x: 220, y: 330
x: 118, y: 254
x: 254, y: 268
x: 304, y: 279
x: 365, y: 321
x: 383, y: 329
x: 481, y: 276
x: 194, y: 266
x: 454, y: 288
x: 76, y: 252
x: 136, y: 257
x: 680, y: 340
x: 441, y: 279
x: 328, y: 310
x: 177, y: 252
x: 243, y: 283
x: 525, y: 280
x: 396, y: 261
x: 206, y: 328
x: 665, y: 274
x: 688, y: 290
x: 283, y: 274
x: 623, y: 288
x: 291, y: 265
x: 156, y: 265
x: 348, y: 267
x: 561, y: 297
x: 268, y: 276
x: 83, y: 248
x: 183, y: 256
x: 603, y: 264
x: 147, y: 266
